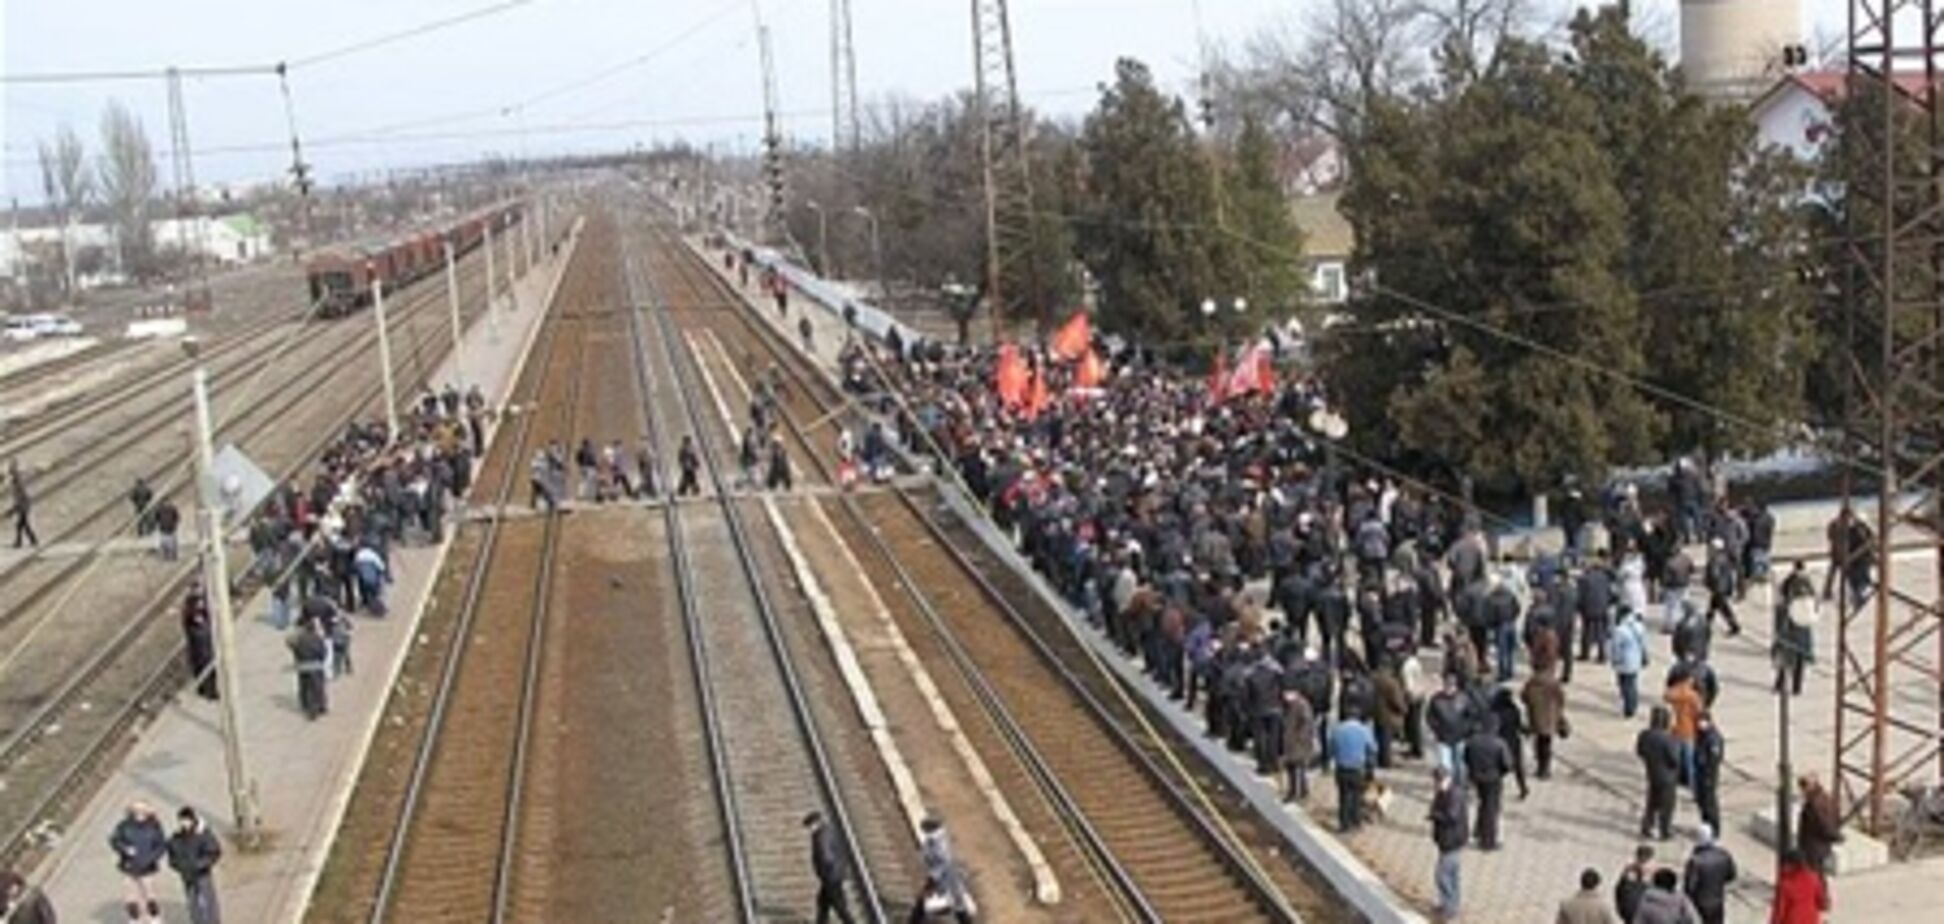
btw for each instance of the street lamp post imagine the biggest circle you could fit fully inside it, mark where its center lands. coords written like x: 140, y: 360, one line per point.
x: 216, y: 585
x: 1784, y: 775
x: 877, y: 252
x: 823, y: 238
x: 492, y: 320
x: 452, y: 301
x: 385, y: 357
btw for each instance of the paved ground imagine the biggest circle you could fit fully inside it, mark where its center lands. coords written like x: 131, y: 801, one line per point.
x: 303, y: 771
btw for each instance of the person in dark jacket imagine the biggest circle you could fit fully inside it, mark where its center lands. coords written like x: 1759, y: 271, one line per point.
x: 690, y: 461
x: 1660, y: 758
x: 1663, y: 902
x: 1299, y: 744
x: 1595, y: 598
x: 1502, y: 618
x: 832, y: 866
x: 1710, y: 754
x: 1511, y: 726
x: 140, y: 845
x: 310, y: 654
x: 1449, y: 835
x: 1264, y: 692
x: 193, y: 853
x: 1723, y: 576
x: 198, y: 642
x: 1486, y: 763
x: 141, y: 496
x: 1633, y: 881
x: 1710, y: 870
x: 22, y: 904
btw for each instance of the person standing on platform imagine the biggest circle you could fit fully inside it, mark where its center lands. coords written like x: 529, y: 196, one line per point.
x: 1628, y: 649
x: 1353, y: 750
x: 168, y: 520
x: 1586, y: 906
x: 1299, y: 744
x: 140, y: 845
x: 1801, y: 896
x: 1819, y: 824
x: 832, y: 866
x: 1545, y: 705
x: 1710, y: 755
x: 308, y: 650
x: 1660, y: 758
x: 1632, y: 883
x: 780, y: 478
x: 1710, y: 870
x: 193, y: 853
x: 198, y: 642
x: 1448, y: 834
x: 22, y: 904
x: 1487, y: 761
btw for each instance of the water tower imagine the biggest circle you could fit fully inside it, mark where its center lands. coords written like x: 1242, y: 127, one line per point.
x: 1732, y: 49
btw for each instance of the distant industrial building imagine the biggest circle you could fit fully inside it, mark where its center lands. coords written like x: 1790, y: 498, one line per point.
x: 229, y: 240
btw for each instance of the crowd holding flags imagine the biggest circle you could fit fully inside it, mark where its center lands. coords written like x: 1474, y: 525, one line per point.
x: 1021, y: 380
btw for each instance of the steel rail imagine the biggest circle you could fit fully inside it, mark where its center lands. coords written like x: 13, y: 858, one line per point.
x: 1268, y: 896
x: 81, y: 357
x: 740, y: 873
x: 172, y: 474
x: 799, y: 703
x: 159, y: 679
x: 395, y: 849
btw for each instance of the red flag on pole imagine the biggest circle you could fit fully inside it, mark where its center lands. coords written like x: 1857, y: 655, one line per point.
x: 1252, y: 373
x: 1010, y: 377
x: 1073, y: 338
x: 1038, y: 399
x: 1218, y: 379
x: 1092, y: 371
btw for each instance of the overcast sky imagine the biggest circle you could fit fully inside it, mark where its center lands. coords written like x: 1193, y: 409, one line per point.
x: 455, y: 93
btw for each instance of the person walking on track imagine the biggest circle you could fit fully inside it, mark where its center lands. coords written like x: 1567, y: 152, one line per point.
x: 193, y: 852
x: 691, y: 463
x: 23, y: 506
x: 944, y: 892
x: 140, y: 844
x: 832, y: 865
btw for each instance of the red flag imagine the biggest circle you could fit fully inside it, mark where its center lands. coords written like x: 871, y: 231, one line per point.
x: 1092, y: 371
x: 1010, y: 377
x: 1038, y: 399
x: 1218, y: 379
x: 1253, y: 373
x: 1073, y: 338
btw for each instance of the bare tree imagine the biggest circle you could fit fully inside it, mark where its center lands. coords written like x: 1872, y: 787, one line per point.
x: 67, y: 185
x: 128, y: 182
x: 1467, y: 33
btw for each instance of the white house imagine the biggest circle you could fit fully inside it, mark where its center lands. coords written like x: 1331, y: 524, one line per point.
x: 1328, y: 242
x: 1795, y: 114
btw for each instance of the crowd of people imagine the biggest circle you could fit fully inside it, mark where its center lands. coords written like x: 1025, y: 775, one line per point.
x: 1346, y: 619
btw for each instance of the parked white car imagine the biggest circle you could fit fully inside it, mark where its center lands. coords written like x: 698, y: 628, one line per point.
x: 35, y: 326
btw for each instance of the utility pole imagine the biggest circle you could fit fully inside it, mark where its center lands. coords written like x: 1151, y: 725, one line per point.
x: 385, y: 358
x: 492, y: 319
x: 452, y: 301
x: 772, y: 135
x: 216, y: 585
x: 844, y: 133
x: 1012, y: 225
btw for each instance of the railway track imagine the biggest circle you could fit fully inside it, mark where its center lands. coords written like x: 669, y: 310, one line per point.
x: 452, y: 850
x: 1159, y: 831
x: 42, y: 371
x: 775, y: 764
x: 70, y: 699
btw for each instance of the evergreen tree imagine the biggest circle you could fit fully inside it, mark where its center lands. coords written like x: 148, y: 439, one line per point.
x: 1266, y: 240
x: 1148, y: 232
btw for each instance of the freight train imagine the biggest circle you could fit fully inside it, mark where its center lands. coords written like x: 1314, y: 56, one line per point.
x: 341, y: 278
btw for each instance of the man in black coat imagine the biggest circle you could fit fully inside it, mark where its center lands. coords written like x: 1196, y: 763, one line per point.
x: 1660, y: 758
x: 193, y: 853
x: 1264, y: 685
x: 832, y: 865
x: 1710, y: 753
x: 1487, y: 761
x: 1449, y: 835
x: 1595, y: 586
x: 1710, y: 870
x: 1450, y: 716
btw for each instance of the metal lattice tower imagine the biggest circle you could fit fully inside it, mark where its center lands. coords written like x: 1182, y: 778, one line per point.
x: 189, y: 231
x: 772, y: 134
x: 1011, y: 221
x: 844, y: 130
x: 1890, y: 650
